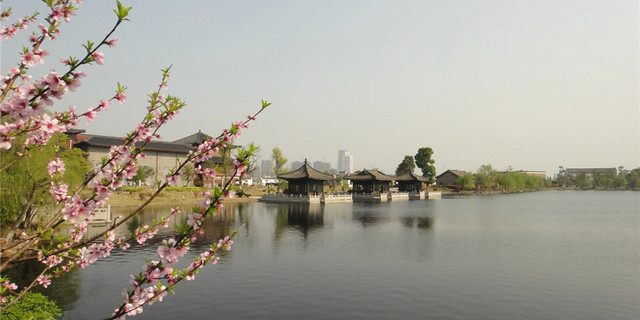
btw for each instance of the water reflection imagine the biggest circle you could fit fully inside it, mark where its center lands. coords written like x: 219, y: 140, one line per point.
x: 423, y: 223
x: 302, y: 217
x: 369, y: 214
x: 63, y: 290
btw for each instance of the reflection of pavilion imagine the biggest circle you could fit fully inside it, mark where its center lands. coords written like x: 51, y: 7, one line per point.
x: 300, y: 217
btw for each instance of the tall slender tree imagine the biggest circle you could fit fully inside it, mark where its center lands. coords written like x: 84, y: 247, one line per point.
x: 426, y: 164
x: 278, y: 159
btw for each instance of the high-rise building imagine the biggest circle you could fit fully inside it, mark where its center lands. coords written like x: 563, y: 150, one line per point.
x: 322, y: 166
x: 266, y: 168
x: 296, y: 165
x: 345, y: 161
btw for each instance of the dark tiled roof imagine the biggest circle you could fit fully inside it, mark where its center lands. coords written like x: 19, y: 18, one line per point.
x: 412, y: 177
x: 305, y: 172
x: 369, y: 175
x: 197, y: 139
x: 457, y: 173
x: 194, y: 139
x: 107, y: 142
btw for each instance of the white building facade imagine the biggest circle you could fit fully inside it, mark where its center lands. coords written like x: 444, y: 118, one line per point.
x: 345, y: 161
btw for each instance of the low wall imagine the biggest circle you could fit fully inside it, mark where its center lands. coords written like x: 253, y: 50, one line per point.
x: 288, y: 198
x: 434, y: 195
x: 396, y: 196
x: 335, y: 198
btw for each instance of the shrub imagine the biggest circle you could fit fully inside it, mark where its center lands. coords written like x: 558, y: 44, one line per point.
x: 32, y: 306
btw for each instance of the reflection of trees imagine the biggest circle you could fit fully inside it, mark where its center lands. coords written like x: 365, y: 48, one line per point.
x: 302, y: 217
x: 423, y: 223
x: 367, y: 213
x: 231, y: 217
x: 63, y: 289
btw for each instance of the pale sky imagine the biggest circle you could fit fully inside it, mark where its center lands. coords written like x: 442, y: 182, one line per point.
x: 528, y: 84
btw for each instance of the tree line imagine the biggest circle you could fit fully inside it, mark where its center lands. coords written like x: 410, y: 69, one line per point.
x: 487, y: 179
x: 623, y: 180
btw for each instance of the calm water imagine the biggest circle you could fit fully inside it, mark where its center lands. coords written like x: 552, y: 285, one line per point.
x: 544, y: 255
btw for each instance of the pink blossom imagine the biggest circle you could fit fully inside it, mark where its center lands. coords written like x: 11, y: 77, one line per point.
x: 172, y: 180
x: 104, y: 104
x: 44, y: 280
x: 55, y: 166
x: 98, y: 57
x: 112, y: 42
x: 121, y: 98
x: 59, y: 192
x: 31, y: 59
x: 194, y: 220
x: 91, y: 115
x: 226, y: 243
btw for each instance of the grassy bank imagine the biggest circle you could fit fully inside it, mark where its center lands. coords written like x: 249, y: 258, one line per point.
x: 179, y: 195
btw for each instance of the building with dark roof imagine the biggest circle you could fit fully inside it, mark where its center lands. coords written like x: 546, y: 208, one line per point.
x: 370, y: 185
x: 449, y: 177
x: 410, y: 182
x: 305, y: 180
x: 161, y: 156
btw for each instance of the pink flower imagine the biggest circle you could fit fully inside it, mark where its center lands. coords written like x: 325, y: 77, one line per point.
x: 172, y: 180
x: 121, y: 98
x: 98, y: 57
x: 112, y: 42
x: 91, y: 115
x: 194, y: 220
x: 55, y: 166
x: 104, y: 104
x: 31, y: 59
x: 44, y: 280
x: 226, y: 243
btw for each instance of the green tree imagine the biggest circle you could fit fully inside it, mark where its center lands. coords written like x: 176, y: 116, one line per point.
x: 483, y: 178
x: 426, y: 164
x: 279, y: 160
x: 583, y: 182
x: 188, y: 173
x: 619, y: 182
x: 143, y: 173
x: 633, y: 179
x: 24, y: 187
x: 406, y: 166
x: 465, y: 182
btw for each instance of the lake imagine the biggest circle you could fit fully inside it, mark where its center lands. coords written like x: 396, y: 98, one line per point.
x: 541, y: 255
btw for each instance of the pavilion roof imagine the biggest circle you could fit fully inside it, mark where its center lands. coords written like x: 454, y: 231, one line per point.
x: 305, y: 172
x: 412, y: 177
x: 370, y: 175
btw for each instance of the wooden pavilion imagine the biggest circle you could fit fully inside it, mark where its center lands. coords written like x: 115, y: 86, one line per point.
x: 411, y: 182
x: 305, y: 180
x: 370, y: 181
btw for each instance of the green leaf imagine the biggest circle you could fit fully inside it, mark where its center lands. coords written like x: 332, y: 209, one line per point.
x: 122, y: 11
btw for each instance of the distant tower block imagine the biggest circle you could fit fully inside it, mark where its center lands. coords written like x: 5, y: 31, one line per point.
x: 345, y: 161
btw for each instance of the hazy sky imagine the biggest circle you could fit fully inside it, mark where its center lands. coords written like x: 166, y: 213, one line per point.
x: 528, y: 84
